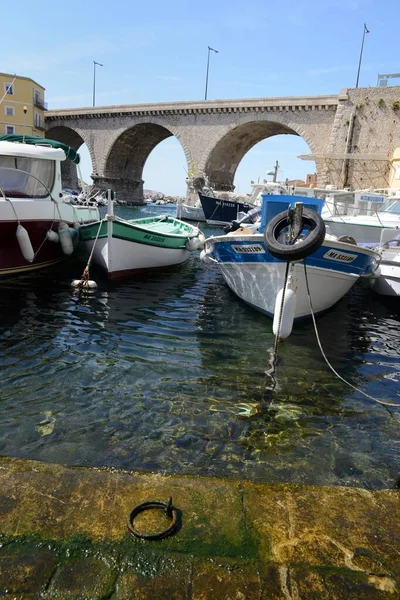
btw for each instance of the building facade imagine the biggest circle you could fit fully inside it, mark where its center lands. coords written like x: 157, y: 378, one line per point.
x: 22, y: 106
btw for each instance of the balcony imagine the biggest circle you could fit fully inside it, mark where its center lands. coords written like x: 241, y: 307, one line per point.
x: 39, y: 103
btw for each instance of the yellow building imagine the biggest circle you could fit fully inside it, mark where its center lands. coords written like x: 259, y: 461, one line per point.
x: 22, y: 106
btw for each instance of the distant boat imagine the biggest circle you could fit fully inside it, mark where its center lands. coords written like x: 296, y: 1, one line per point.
x: 190, y: 213
x: 223, y: 208
x: 125, y: 247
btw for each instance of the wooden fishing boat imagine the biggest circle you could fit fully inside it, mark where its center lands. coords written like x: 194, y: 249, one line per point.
x: 125, y: 247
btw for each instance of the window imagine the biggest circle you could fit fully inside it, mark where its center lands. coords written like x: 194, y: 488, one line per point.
x: 9, y: 88
x: 26, y: 177
x: 10, y: 129
x: 38, y: 120
x: 9, y: 110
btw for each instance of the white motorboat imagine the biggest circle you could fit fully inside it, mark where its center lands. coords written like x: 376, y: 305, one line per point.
x: 362, y: 215
x: 189, y: 212
x: 253, y: 261
x: 38, y: 228
x: 388, y: 282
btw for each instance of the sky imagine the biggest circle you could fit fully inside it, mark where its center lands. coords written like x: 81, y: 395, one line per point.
x: 156, y: 51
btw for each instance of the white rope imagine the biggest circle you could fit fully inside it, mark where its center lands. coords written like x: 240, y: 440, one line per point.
x: 325, y: 357
x: 94, y: 244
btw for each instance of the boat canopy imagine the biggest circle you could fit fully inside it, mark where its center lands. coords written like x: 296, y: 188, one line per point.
x: 70, y: 153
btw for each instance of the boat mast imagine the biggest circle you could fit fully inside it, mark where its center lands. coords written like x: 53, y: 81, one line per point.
x: 275, y: 172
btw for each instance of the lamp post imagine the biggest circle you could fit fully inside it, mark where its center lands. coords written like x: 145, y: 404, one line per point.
x: 366, y: 30
x: 208, y: 66
x: 94, y: 80
x: 25, y: 110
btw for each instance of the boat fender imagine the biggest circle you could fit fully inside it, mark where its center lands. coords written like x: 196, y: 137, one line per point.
x: 53, y: 236
x: 306, y: 245
x: 65, y: 238
x: 25, y: 243
x: 206, y: 254
x: 288, y: 312
x: 87, y: 285
x: 195, y: 243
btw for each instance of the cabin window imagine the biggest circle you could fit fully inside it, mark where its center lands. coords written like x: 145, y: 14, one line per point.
x: 22, y: 177
x: 390, y: 206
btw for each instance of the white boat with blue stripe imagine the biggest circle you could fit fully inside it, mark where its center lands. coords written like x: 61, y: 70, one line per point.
x: 259, y: 268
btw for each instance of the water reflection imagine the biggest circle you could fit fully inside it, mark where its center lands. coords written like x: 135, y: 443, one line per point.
x: 168, y: 373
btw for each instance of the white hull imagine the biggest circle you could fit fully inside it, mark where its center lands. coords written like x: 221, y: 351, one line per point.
x: 388, y: 282
x: 259, y: 283
x: 190, y: 213
x: 120, y: 257
x: 46, y: 210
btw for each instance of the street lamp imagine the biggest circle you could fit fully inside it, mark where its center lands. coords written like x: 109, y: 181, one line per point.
x: 366, y: 30
x: 94, y: 80
x: 208, y: 65
x: 25, y: 110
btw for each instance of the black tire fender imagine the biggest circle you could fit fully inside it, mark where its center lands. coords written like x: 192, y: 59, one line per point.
x: 309, y: 244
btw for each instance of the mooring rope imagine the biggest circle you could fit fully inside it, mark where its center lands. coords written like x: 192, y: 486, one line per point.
x: 85, y: 275
x: 325, y: 357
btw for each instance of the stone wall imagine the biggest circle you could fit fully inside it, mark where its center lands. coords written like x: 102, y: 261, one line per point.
x: 367, y: 125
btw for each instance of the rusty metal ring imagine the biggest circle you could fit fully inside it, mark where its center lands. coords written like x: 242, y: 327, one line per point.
x: 169, y: 510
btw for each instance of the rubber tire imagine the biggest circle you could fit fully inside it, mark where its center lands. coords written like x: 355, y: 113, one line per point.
x: 294, y: 252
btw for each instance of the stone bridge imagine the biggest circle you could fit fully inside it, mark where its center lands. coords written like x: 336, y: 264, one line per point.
x: 215, y: 136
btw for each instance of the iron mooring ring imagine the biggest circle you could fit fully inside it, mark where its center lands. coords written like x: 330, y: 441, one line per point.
x: 170, y: 512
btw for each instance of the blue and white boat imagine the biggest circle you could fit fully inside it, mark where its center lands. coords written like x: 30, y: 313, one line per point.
x: 254, y: 271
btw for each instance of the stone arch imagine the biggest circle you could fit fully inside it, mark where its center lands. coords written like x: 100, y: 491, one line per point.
x: 125, y: 160
x: 73, y: 138
x: 223, y: 160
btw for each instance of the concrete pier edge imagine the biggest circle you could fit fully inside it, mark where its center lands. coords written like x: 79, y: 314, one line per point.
x: 63, y: 535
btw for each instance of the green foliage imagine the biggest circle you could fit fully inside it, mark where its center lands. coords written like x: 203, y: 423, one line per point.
x: 381, y: 103
x: 396, y: 105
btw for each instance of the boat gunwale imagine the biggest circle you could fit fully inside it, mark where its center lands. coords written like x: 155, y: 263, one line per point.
x: 259, y: 237
x: 142, y: 229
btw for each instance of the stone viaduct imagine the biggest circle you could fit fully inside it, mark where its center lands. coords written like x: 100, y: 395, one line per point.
x: 351, y: 135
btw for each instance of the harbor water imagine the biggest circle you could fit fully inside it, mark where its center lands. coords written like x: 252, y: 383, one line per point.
x: 169, y: 373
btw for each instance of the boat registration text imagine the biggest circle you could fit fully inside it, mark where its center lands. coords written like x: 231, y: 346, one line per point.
x: 154, y: 238
x: 340, y: 256
x: 249, y: 249
x: 223, y: 203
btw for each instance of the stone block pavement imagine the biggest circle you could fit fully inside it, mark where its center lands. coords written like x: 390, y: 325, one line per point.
x: 63, y: 535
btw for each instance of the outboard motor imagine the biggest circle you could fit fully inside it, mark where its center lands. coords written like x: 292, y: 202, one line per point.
x: 250, y: 217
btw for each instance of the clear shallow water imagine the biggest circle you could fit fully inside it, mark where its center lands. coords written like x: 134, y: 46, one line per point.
x: 167, y: 373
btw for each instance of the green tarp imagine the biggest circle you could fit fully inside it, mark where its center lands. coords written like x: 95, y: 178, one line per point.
x: 71, y: 154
